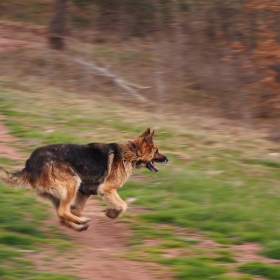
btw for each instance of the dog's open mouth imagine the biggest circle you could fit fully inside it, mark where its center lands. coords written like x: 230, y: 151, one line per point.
x: 151, y: 165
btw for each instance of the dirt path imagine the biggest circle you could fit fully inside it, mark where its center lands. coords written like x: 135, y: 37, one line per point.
x: 98, y: 252
x: 6, y: 150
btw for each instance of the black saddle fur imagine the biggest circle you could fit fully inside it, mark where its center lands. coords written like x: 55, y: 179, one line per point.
x: 89, y: 161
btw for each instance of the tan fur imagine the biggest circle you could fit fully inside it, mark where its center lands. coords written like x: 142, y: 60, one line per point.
x: 59, y: 182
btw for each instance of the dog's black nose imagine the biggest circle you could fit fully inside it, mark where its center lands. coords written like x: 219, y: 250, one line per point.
x: 166, y: 160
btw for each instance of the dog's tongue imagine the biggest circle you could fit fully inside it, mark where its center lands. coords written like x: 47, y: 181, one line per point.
x: 154, y: 166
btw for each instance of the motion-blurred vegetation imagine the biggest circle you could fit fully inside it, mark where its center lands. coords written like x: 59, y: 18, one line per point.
x: 171, y: 65
x: 219, y: 54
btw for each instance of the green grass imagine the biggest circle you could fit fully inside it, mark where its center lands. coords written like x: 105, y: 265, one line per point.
x: 261, y: 269
x: 195, y: 268
x: 267, y: 163
x: 220, y: 193
x: 272, y: 250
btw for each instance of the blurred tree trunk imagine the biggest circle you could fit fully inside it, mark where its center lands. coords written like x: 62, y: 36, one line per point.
x: 58, y: 25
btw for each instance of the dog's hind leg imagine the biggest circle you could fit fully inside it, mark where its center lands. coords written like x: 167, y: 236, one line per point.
x: 116, y: 206
x: 60, y: 181
x: 63, y: 209
x: 79, y: 203
x: 56, y: 203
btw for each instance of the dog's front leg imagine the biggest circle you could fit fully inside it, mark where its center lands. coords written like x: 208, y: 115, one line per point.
x: 79, y: 203
x: 116, y: 206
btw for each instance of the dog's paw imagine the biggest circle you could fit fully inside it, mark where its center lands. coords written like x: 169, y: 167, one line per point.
x: 83, y: 227
x: 77, y: 227
x: 112, y: 213
x: 84, y: 220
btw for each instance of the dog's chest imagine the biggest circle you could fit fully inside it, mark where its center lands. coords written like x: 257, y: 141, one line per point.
x: 119, y: 174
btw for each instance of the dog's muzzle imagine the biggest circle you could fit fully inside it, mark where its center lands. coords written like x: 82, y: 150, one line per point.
x: 151, y: 164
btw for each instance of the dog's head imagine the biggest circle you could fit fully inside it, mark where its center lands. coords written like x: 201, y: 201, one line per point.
x: 147, y: 152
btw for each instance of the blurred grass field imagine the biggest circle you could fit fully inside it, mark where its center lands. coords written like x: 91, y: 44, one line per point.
x: 21, y: 218
x: 219, y: 187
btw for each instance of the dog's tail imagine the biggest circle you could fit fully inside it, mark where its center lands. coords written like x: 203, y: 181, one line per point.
x: 19, y: 179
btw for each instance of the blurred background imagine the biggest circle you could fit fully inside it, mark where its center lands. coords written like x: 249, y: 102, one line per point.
x: 221, y: 56
x: 205, y: 75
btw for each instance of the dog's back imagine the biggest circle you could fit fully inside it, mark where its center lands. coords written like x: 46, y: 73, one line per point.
x: 89, y: 162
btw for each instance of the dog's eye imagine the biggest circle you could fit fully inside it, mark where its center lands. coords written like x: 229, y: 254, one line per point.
x: 156, y: 152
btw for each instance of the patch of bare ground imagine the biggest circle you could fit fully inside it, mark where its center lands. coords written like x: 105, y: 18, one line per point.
x: 98, y: 252
x: 10, y: 44
x: 7, y: 150
x: 15, y: 36
x: 12, y: 28
x: 249, y: 252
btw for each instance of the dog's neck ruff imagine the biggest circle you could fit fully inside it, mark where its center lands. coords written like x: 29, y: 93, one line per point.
x: 130, y: 156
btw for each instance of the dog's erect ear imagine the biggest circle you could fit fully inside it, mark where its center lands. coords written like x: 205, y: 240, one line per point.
x: 146, y: 133
x: 150, y: 136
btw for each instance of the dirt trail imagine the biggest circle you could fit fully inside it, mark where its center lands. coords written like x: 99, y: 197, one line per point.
x: 6, y: 150
x: 98, y: 252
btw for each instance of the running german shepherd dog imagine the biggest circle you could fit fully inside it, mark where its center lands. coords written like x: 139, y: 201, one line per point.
x: 68, y: 174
